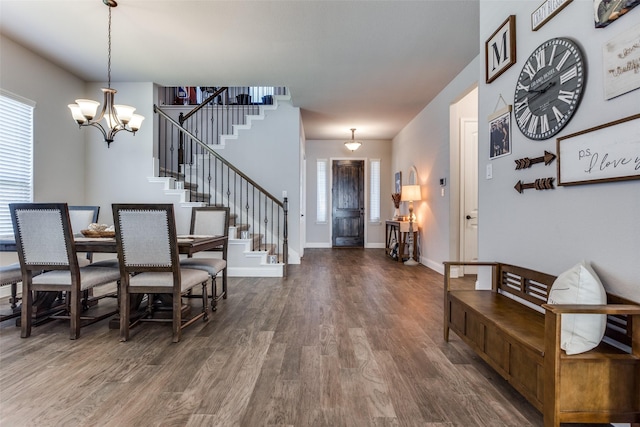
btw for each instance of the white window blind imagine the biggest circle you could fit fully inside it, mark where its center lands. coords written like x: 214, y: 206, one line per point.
x: 374, y: 188
x: 16, y: 158
x: 321, y: 194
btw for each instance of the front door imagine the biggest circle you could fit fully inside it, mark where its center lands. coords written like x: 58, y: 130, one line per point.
x: 348, y: 203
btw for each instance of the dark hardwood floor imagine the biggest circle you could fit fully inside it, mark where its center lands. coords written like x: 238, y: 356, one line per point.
x: 350, y: 338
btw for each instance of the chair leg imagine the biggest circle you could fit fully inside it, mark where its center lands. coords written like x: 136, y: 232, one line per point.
x: 14, y: 295
x: 224, y: 283
x: 124, y: 313
x: 27, y: 309
x: 74, y: 313
x: 205, y: 308
x: 214, y: 294
x: 177, y: 316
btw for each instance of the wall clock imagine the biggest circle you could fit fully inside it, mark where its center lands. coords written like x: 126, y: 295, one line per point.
x: 549, y: 88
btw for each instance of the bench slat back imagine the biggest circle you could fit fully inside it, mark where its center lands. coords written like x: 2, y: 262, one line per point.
x: 530, y: 285
x: 534, y: 286
x: 619, y: 327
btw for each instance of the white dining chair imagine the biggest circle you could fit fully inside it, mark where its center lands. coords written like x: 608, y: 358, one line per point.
x: 11, y: 275
x: 45, y: 242
x: 149, y: 264
x: 211, y: 221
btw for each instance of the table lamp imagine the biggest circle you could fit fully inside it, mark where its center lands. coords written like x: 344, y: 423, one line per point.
x: 410, y: 193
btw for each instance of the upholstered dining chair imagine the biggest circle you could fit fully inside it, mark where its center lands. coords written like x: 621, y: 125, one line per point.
x: 149, y: 263
x: 81, y: 217
x: 11, y: 275
x: 211, y: 221
x: 44, y: 242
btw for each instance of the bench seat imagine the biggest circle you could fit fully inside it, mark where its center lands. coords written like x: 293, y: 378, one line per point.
x: 519, y: 337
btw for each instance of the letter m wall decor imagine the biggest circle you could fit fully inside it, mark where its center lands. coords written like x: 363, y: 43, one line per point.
x: 500, y: 49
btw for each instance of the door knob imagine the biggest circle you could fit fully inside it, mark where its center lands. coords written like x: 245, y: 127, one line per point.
x: 470, y: 217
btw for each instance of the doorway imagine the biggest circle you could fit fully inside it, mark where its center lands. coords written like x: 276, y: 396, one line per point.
x: 347, y: 215
x: 464, y: 214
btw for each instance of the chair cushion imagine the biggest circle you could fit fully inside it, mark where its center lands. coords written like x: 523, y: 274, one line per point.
x: 211, y: 265
x: 579, y: 285
x: 89, y: 277
x: 10, y: 274
x: 188, y: 279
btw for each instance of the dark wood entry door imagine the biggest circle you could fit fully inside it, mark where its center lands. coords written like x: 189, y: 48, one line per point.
x: 348, y: 203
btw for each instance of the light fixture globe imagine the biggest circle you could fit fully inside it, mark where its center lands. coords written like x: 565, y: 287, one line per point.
x: 117, y: 117
x: 352, y: 144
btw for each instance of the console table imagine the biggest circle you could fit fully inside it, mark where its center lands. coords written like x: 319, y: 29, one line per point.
x: 398, y: 231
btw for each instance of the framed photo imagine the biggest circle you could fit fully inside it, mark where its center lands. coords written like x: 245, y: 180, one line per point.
x: 398, y: 182
x: 607, y: 11
x: 606, y: 153
x: 546, y: 11
x: 500, y: 138
x: 621, y: 58
x: 500, y: 49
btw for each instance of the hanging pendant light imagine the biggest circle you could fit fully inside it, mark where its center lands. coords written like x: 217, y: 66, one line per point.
x: 352, y: 144
x: 117, y: 117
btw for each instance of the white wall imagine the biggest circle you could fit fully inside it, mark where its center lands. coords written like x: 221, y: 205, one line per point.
x: 424, y: 143
x: 118, y: 173
x: 319, y: 235
x: 554, y: 229
x: 59, y: 149
x: 273, y: 161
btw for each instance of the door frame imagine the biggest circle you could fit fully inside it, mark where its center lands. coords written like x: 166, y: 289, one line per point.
x: 458, y: 109
x: 366, y: 196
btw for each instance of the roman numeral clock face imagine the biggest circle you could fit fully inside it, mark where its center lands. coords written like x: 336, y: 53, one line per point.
x: 549, y: 88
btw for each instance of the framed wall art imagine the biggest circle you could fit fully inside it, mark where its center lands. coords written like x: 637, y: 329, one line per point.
x: 500, y: 49
x: 500, y: 138
x: 546, y: 11
x: 398, y: 182
x: 621, y: 61
x: 605, y: 153
x: 607, y: 11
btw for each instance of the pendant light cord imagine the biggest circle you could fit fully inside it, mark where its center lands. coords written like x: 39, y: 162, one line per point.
x: 109, y: 53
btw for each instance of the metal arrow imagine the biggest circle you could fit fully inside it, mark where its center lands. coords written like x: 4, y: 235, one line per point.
x: 538, y: 184
x: 527, y: 162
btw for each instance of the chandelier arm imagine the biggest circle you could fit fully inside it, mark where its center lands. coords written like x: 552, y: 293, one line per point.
x: 98, y: 126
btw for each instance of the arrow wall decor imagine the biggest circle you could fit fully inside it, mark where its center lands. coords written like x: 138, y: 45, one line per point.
x: 527, y: 162
x: 538, y: 184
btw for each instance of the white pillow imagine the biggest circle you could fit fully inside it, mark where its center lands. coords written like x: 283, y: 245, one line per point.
x: 579, y: 285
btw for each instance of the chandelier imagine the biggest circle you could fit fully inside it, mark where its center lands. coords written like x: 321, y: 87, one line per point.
x: 352, y: 144
x: 117, y: 117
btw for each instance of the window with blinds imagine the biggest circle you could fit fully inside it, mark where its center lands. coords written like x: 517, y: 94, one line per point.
x: 16, y: 160
x: 321, y: 192
x: 374, y: 189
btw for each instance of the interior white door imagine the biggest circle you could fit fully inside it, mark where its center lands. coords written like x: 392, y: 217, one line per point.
x: 469, y: 193
x: 303, y: 201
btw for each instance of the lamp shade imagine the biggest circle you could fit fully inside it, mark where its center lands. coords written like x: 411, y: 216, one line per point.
x: 410, y: 193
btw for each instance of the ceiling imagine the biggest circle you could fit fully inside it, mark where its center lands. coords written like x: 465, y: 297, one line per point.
x: 371, y: 65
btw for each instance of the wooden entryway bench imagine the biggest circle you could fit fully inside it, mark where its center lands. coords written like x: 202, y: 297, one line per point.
x: 523, y: 345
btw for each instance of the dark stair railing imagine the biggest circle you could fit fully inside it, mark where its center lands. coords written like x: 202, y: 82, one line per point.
x: 211, y: 179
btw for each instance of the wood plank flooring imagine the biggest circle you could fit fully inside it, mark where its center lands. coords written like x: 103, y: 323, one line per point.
x: 350, y: 338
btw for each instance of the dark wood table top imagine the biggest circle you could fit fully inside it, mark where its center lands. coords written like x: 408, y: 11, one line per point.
x: 187, y: 245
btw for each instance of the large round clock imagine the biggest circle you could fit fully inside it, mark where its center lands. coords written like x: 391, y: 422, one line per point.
x: 549, y: 88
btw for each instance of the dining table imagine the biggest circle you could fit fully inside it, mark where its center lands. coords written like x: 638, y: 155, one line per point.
x: 46, y: 303
x: 187, y: 244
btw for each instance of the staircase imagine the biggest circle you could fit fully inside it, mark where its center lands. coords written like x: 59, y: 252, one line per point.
x: 193, y: 173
